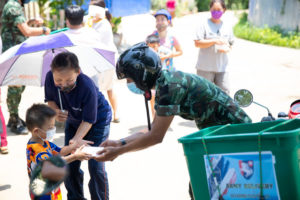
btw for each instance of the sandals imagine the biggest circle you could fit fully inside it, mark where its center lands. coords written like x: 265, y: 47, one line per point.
x: 4, y: 150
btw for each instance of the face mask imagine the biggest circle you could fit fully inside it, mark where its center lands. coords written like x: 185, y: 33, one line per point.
x: 49, y: 134
x: 68, y: 89
x: 216, y: 14
x: 132, y: 87
x: 161, y: 27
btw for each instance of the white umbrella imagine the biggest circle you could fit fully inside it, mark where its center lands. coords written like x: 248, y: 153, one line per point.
x: 29, y: 62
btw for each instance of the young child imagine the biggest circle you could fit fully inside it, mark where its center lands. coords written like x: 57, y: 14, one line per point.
x: 40, y: 120
x: 153, y: 41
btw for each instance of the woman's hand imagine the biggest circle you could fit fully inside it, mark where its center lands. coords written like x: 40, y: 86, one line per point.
x: 79, y: 142
x: 219, y: 41
x: 224, y: 49
x: 61, y: 116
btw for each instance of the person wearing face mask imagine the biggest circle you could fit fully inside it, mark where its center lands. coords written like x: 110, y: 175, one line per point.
x: 79, y: 103
x: 176, y: 93
x: 215, y: 38
x: 40, y: 120
x: 167, y: 39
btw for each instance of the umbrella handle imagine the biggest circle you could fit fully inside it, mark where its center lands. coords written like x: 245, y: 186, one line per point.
x: 147, y: 96
x: 60, y: 101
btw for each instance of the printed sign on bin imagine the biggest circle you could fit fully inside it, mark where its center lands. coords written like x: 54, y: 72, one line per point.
x: 238, y: 176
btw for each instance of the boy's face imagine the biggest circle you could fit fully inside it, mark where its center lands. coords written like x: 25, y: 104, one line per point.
x: 49, y: 124
x: 154, y: 46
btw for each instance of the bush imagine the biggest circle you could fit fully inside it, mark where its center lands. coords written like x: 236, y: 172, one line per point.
x: 274, y: 36
x: 183, y: 7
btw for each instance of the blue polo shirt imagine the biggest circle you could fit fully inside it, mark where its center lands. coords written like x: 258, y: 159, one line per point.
x: 84, y: 103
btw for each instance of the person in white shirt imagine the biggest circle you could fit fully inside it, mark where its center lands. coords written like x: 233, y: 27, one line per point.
x: 97, y: 20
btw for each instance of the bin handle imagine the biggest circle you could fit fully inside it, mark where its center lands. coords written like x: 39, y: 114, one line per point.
x: 260, y: 133
x: 209, y: 160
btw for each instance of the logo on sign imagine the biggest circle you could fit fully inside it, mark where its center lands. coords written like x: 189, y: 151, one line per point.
x: 246, y: 168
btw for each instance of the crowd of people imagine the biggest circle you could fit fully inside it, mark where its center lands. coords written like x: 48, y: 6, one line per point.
x: 77, y: 100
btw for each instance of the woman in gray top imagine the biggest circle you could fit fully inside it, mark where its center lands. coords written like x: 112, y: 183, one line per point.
x: 214, y: 37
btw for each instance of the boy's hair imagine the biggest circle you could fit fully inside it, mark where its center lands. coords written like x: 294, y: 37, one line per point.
x: 65, y: 60
x: 74, y: 14
x: 37, y: 115
x: 152, y: 39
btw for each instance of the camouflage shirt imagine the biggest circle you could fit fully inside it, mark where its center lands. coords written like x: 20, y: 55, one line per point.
x: 194, y: 98
x: 12, y: 15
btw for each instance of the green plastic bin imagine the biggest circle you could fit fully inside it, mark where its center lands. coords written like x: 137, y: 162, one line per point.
x: 281, y: 138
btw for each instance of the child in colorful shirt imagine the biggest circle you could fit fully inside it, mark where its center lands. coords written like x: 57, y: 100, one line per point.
x: 167, y: 39
x: 40, y: 120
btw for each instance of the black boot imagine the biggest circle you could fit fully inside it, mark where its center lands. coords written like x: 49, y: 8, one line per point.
x: 10, y: 121
x: 17, y: 125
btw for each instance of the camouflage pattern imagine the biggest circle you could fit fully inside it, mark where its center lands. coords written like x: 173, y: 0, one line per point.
x: 12, y: 15
x: 13, y: 99
x: 193, y: 97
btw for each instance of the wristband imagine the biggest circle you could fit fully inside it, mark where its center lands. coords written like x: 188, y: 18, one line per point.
x: 44, y: 29
x: 123, y: 142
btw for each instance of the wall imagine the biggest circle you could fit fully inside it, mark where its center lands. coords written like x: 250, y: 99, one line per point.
x: 271, y: 12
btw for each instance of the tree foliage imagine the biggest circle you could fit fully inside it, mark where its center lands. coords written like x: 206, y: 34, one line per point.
x: 266, y: 35
x: 203, y: 5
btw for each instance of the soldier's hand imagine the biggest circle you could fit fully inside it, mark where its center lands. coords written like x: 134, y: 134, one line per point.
x: 47, y: 31
x: 107, y: 154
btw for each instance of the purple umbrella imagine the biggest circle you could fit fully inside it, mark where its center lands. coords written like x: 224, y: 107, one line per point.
x: 29, y: 62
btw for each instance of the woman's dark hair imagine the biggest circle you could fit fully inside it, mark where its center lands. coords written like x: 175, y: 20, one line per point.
x: 65, y: 60
x: 22, y: 2
x: 37, y: 115
x: 74, y: 14
x: 101, y: 3
x: 218, y: 1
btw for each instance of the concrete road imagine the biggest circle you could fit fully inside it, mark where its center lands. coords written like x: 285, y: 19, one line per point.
x: 160, y: 172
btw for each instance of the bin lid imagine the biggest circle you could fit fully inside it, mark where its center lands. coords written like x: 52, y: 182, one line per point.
x: 278, y: 128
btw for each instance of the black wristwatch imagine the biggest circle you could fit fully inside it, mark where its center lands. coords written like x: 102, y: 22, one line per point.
x: 44, y: 30
x: 123, y: 142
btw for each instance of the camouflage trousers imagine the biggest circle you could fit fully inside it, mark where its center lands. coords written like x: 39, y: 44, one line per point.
x: 14, y: 94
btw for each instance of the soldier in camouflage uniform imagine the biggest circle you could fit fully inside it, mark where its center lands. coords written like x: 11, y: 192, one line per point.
x: 14, y: 31
x: 195, y: 98
x: 177, y: 93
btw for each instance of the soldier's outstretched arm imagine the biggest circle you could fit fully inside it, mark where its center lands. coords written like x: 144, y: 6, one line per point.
x: 32, y: 31
x: 137, y: 141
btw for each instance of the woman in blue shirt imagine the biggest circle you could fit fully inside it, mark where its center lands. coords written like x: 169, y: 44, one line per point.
x: 87, y: 114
